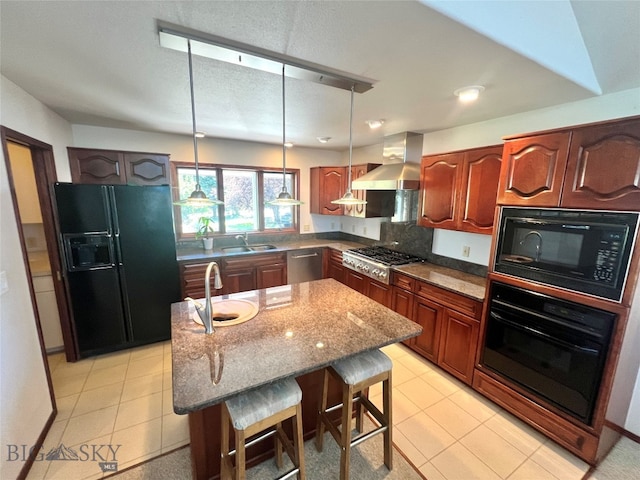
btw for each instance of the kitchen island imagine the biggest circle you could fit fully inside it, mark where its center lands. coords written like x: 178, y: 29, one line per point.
x: 299, y: 330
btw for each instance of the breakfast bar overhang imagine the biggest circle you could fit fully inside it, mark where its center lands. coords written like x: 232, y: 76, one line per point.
x: 299, y: 330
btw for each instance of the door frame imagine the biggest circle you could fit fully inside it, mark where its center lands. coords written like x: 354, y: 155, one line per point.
x: 45, y: 174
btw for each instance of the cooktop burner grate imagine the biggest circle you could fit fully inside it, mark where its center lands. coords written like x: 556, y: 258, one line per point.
x: 385, y: 255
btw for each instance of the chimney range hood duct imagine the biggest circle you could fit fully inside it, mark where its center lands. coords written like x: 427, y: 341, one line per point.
x: 400, y: 169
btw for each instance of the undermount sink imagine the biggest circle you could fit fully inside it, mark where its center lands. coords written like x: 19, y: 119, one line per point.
x: 250, y: 248
x: 259, y: 248
x: 230, y: 311
x: 235, y: 249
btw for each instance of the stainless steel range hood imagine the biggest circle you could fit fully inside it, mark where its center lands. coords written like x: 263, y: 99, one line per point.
x: 400, y: 169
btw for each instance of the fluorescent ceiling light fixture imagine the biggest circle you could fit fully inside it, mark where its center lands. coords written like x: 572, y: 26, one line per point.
x: 230, y: 51
x: 197, y: 198
x: 469, y: 94
x: 373, y: 124
x: 324, y: 139
x: 284, y: 198
x: 348, y: 198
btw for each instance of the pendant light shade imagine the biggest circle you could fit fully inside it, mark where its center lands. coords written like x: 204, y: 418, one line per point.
x: 348, y: 198
x: 284, y: 198
x: 198, y: 197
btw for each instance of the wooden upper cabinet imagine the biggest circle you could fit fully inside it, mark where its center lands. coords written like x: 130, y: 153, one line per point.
x: 327, y: 183
x: 117, y: 167
x: 603, y: 171
x: 440, y: 176
x: 533, y: 170
x: 478, y: 197
x: 459, y: 189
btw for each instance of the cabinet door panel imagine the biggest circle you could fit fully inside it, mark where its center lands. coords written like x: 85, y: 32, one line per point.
x: 271, y: 275
x: 96, y: 166
x: 380, y: 292
x: 458, y: 346
x: 603, y: 171
x: 439, y: 183
x: 146, y: 169
x: 356, y: 281
x: 533, y: 170
x: 429, y: 316
x: 478, y: 198
x: 327, y: 184
x: 238, y: 280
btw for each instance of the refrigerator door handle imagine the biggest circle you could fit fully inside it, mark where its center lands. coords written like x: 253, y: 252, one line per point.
x: 113, y: 220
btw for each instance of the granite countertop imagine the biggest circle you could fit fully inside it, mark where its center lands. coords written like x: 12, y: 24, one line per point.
x: 196, y: 254
x: 299, y: 329
x: 463, y: 283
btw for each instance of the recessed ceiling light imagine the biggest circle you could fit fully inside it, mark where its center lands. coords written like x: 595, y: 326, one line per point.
x: 324, y: 139
x: 373, y: 124
x: 200, y: 134
x: 288, y: 144
x: 468, y: 94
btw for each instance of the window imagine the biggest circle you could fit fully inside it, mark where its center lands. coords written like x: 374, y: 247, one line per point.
x: 244, y: 191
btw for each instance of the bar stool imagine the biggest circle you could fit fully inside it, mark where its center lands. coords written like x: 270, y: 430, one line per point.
x: 357, y: 374
x: 257, y: 411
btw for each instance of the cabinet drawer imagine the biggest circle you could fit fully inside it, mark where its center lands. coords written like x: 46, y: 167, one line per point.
x: 242, y: 261
x: 403, y: 281
x: 452, y: 300
x: 335, y: 255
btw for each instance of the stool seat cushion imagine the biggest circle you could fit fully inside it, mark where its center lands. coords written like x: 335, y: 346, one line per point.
x: 355, y: 369
x: 248, y: 408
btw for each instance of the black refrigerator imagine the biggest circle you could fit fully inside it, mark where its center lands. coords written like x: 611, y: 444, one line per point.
x: 120, y: 263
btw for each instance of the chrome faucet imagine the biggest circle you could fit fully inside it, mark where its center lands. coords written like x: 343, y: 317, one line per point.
x: 538, y: 245
x: 244, y: 238
x: 205, y: 314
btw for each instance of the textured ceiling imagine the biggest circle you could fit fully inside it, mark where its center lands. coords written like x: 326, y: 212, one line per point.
x: 100, y: 63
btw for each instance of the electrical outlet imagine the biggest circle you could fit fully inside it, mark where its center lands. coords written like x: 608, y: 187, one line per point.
x: 466, y: 250
x: 306, y: 228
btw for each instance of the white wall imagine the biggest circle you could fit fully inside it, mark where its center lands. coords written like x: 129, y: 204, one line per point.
x: 25, y: 403
x: 220, y: 151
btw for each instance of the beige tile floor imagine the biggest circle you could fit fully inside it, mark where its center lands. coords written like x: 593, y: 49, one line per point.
x: 443, y: 427
x: 123, y: 398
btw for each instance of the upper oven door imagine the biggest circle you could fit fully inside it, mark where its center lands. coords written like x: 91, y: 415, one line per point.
x: 588, y: 252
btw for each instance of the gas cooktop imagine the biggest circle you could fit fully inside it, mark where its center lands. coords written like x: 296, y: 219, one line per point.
x: 385, y: 255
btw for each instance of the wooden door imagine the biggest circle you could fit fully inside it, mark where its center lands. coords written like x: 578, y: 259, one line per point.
x: 146, y: 168
x: 533, y: 170
x: 458, y: 345
x: 440, y: 179
x: 271, y: 275
x: 327, y: 184
x: 236, y: 280
x: 478, y: 195
x: 603, y: 171
x: 380, y: 292
x: 96, y: 166
x: 429, y: 316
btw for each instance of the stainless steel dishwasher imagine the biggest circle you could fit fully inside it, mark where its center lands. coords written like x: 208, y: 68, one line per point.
x: 304, y: 265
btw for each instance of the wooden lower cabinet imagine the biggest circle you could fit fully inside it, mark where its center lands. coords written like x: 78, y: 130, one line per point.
x: 380, y: 292
x: 450, y: 324
x: 428, y: 315
x: 239, y: 274
x: 357, y: 281
x: 458, y: 343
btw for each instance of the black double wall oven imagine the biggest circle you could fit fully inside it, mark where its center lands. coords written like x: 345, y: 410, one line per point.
x: 548, y: 346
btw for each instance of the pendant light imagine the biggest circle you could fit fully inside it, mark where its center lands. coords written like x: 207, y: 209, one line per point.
x: 284, y: 198
x: 348, y: 198
x: 197, y: 198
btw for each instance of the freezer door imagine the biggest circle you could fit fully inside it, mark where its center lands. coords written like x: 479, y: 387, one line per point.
x: 97, y: 310
x: 82, y: 208
x: 145, y: 246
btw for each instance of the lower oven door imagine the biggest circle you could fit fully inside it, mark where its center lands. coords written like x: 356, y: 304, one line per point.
x: 558, y: 359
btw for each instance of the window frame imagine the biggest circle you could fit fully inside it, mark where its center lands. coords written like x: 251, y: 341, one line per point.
x: 260, y: 170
